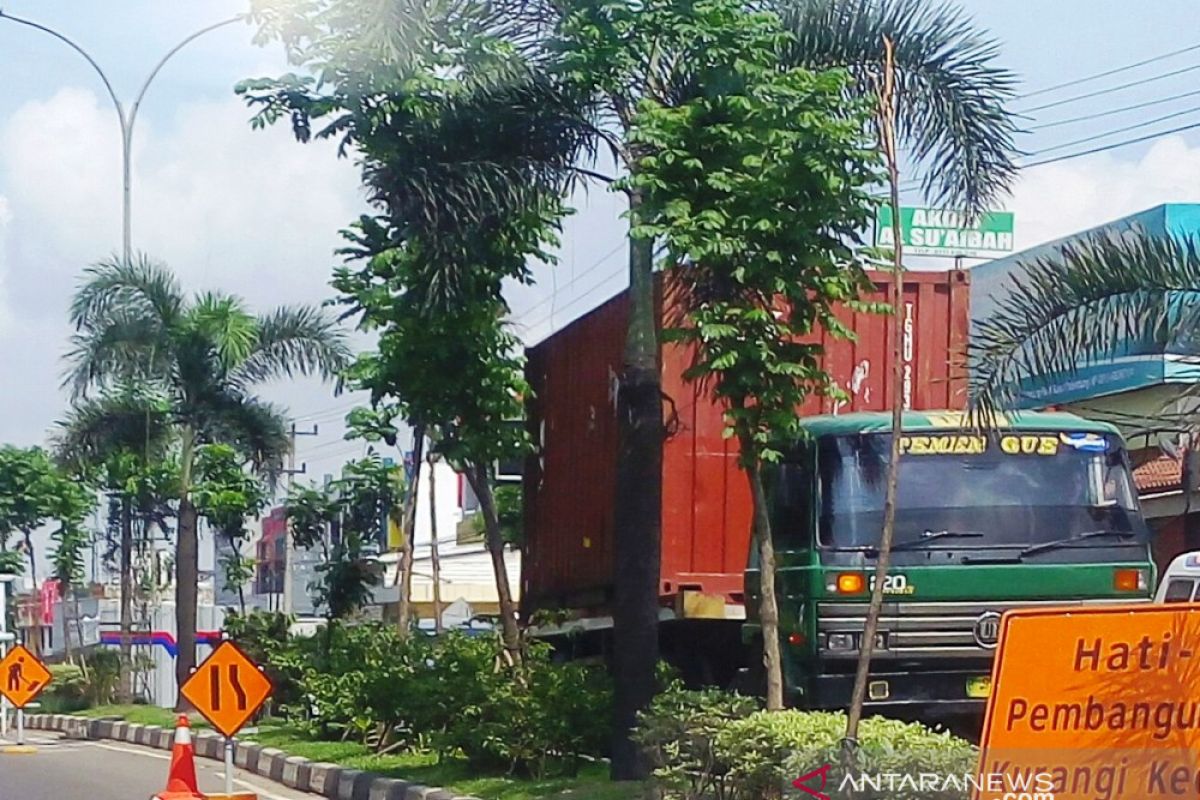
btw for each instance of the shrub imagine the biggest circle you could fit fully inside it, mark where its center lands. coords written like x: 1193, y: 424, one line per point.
x: 451, y: 694
x: 707, y: 746
x: 103, y: 676
x: 679, y: 735
x: 543, y: 718
x: 264, y: 636
x: 67, y: 691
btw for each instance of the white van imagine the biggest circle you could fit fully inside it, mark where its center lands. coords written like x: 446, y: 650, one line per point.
x: 1181, y: 582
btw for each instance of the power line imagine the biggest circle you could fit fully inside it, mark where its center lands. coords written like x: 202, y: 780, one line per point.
x: 604, y: 279
x: 524, y: 314
x: 1112, y: 146
x: 1111, y: 89
x: 1115, y: 131
x: 1101, y: 149
x: 322, y: 413
x: 1111, y: 111
x: 1107, y: 73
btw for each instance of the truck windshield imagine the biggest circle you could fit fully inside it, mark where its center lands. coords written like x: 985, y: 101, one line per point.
x: 960, y: 491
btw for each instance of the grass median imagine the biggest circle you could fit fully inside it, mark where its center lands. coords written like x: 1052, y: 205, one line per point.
x: 591, y: 783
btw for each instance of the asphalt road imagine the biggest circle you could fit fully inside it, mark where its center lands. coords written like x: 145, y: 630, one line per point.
x: 64, y: 769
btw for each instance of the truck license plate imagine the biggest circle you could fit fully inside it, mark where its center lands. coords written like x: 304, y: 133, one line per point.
x: 979, y: 687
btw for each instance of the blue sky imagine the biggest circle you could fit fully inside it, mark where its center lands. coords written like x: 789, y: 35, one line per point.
x: 258, y: 214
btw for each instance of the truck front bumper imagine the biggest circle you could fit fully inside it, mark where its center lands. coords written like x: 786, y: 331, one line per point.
x: 949, y: 691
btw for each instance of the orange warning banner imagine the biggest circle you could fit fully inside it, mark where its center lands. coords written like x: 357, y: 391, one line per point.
x: 1097, y: 702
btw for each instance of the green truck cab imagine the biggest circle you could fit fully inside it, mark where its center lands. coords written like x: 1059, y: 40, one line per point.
x: 1042, y: 511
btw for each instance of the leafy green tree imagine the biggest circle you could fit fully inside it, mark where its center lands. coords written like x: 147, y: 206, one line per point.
x: 457, y: 370
x: 226, y: 494
x: 579, y: 71
x: 345, y: 520
x: 119, y: 443
x: 434, y: 263
x: 204, y: 355
x: 759, y: 190
x: 35, y: 492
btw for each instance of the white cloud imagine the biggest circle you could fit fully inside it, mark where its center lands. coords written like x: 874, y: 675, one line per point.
x: 1060, y: 199
x: 249, y: 212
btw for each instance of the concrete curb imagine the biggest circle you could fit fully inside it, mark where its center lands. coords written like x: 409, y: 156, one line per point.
x: 316, y: 777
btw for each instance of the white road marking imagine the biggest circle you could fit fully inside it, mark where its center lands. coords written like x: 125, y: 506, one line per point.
x: 214, y: 766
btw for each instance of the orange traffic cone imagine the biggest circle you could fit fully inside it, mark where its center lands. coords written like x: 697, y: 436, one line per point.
x: 181, y: 780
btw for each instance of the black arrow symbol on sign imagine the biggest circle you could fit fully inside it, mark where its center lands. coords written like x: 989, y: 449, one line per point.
x: 214, y: 681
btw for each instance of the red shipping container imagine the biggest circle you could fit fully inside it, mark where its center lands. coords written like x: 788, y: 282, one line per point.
x: 569, y: 484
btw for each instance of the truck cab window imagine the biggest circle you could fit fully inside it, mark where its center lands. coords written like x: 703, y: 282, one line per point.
x: 791, y: 518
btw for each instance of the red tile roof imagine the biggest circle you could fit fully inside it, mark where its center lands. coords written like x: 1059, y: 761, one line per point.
x: 1163, y: 473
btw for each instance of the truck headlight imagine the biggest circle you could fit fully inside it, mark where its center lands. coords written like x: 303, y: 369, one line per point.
x: 842, y: 641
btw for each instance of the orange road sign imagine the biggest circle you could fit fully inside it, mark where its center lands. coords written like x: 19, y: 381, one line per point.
x: 22, y: 676
x: 227, y: 688
x: 1094, y: 702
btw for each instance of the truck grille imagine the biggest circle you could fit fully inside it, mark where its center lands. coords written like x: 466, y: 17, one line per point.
x: 936, y: 629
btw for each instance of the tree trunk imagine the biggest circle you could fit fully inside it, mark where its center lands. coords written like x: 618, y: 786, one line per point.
x: 409, y: 530
x: 434, y: 560
x: 125, y: 686
x: 637, y: 515
x: 187, y: 572
x: 35, y: 620
x: 510, y: 633
x: 67, y: 620
x: 887, y: 137
x: 79, y: 634
x: 768, y: 611
x: 187, y: 575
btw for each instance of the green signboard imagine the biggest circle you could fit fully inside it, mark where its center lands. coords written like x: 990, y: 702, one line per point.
x: 937, y: 232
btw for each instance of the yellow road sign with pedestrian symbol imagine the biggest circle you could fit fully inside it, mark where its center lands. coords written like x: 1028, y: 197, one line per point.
x: 227, y: 689
x: 22, y: 676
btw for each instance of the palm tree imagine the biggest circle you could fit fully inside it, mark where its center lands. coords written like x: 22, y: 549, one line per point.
x: 204, y: 354
x: 1084, y: 302
x: 119, y: 441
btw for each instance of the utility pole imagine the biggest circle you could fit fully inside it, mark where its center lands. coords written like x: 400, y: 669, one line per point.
x: 291, y: 470
x: 5, y: 638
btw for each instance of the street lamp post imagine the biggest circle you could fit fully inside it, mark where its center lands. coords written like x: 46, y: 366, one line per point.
x: 125, y: 118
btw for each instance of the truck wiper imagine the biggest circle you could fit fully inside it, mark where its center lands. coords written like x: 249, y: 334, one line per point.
x: 1078, y: 537
x: 929, y: 536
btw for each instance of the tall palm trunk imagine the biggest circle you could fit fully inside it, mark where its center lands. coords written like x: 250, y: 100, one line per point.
x: 125, y: 687
x: 886, y: 120
x: 434, y: 559
x: 409, y: 529
x: 768, y: 611
x: 35, y: 619
x: 637, y: 514
x: 510, y: 633
x: 187, y: 574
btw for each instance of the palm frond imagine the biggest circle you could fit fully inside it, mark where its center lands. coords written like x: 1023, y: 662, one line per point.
x: 293, y: 340
x: 223, y: 320
x: 124, y: 346
x: 257, y: 429
x: 133, y: 419
x: 140, y: 285
x: 1105, y: 296
x: 953, y: 114
x: 485, y: 153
